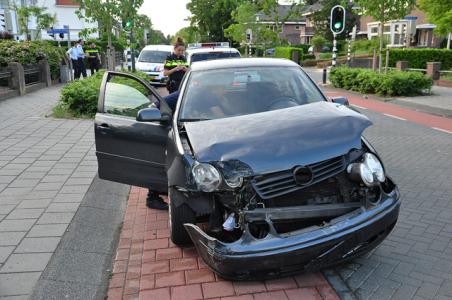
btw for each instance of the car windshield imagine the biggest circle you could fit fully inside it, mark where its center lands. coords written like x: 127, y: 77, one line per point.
x: 231, y: 92
x: 213, y: 55
x: 152, y: 56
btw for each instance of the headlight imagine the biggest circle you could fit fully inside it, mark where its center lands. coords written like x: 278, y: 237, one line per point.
x: 207, y: 177
x: 234, y: 182
x: 372, y: 162
x: 370, y: 171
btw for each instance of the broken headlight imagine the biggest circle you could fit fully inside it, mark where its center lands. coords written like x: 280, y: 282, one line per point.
x: 369, y: 171
x: 207, y: 177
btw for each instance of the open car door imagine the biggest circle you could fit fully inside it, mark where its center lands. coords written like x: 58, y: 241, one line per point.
x: 129, y: 151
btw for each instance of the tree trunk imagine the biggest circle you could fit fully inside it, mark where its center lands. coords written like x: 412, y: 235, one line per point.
x: 109, y: 57
x: 449, y: 37
x: 380, y: 51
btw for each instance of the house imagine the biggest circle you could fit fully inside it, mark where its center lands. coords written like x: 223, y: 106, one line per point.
x: 290, y: 29
x: 64, y: 11
x: 411, y: 31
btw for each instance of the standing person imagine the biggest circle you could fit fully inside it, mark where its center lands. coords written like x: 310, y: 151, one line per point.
x: 73, y: 55
x: 81, y: 58
x: 175, y: 66
x: 93, y: 58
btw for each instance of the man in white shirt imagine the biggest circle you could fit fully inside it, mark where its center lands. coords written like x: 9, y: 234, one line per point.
x: 73, y: 55
x: 81, y: 58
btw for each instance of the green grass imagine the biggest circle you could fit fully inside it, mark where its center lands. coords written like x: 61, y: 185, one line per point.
x: 61, y: 111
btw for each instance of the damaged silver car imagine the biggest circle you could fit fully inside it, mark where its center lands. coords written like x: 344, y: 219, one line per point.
x: 266, y: 176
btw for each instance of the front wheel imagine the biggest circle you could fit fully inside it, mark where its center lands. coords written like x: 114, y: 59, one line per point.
x: 178, y: 216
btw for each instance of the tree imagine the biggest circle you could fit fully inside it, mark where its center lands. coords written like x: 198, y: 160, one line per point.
x: 190, y: 34
x: 43, y: 20
x: 385, y: 10
x: 107, y: 14
x: 212, y: 17
x: 245, y: 18
x: 439, y: 12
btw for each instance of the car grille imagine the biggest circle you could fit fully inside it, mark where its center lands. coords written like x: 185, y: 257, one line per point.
x: 280, y: 183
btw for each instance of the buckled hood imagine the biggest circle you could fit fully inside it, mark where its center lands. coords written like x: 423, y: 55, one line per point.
x: 279, y: 139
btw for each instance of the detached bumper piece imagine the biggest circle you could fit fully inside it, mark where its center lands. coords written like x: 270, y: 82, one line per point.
x: 309, y: 249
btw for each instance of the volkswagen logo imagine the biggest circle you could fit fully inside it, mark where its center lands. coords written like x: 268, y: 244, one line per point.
x: 303, y: 175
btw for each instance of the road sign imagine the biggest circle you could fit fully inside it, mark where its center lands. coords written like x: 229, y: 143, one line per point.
x: 337, y: 19
x: 57, y: 31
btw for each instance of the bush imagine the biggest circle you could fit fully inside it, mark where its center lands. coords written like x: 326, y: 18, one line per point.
x: 79, y: 98
x: 326, y: 55
x: 304, y: 47
x: 418, y: 58
x: 366, y: 45
x: 394, y: 83
x: 31, y: 53
x: 318, y: 42
x: 286, y: 52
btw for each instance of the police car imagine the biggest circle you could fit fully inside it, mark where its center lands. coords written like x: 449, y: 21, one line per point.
x: 151, y: 61
x: 209, y: 51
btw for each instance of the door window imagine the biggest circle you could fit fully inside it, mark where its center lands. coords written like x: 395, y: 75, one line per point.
x: 125, y: 97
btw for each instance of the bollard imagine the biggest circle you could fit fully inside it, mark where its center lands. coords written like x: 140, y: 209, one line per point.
x: 324, y: 76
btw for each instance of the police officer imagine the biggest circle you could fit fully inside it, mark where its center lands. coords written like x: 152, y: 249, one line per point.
x: 93, y: 58
x: 175, y: 66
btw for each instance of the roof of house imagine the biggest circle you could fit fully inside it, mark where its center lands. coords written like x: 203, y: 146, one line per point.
x: 283, y: 11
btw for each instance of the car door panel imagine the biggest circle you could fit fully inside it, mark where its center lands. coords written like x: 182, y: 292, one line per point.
x: 129, y: 151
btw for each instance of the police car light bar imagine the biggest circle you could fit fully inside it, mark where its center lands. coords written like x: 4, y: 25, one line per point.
x: 209, y: 45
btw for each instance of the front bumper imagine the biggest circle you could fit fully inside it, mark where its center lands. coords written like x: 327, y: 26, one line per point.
x: 309, y: 249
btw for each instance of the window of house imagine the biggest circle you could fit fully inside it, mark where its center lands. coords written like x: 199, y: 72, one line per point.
x: 297, y: 27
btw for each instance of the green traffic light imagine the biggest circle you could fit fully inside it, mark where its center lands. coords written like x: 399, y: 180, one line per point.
x: 337, y: 25
x: 129, y: 24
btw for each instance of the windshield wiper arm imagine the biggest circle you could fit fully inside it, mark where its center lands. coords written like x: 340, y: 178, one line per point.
x: 193, y: 120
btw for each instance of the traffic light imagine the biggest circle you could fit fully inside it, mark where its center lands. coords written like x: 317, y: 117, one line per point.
x: 127, y: 24
x: 249, y: 35
x: 337, y: 19
x: 2, y: 20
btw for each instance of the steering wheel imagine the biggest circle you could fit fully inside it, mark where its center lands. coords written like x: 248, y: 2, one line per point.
x: 282, y: 102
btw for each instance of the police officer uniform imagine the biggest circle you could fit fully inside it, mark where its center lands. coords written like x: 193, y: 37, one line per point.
x: 175, y: 78
x: 93, y: 59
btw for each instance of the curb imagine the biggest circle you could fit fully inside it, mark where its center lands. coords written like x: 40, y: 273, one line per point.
x: 339, y: 285
x: 441, y: 112
x: 81, y: 265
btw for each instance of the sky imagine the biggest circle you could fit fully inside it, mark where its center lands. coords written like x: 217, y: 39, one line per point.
x: 166, y: 15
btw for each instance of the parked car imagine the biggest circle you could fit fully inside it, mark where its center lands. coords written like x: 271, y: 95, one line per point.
x: 282, y: 174
x: 152, y: 60
x: 210, y: 51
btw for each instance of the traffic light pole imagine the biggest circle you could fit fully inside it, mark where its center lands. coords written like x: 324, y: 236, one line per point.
x: 333, y: 63
x: 132, y: 54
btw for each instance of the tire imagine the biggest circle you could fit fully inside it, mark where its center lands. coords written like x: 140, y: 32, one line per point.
x: 178, y: 216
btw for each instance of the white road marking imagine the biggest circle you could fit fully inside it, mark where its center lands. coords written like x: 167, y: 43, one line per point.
x: 360, y: 107
x: 395, y: 117
x: 442, y: 130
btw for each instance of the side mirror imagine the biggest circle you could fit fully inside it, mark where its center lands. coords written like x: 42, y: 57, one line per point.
x: 152, y: 115
x: 340, y: 100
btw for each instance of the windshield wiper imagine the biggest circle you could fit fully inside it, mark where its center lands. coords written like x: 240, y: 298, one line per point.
x: 193, y: 120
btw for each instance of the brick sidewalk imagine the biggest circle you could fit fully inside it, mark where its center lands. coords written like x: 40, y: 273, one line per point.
x: 149, y: 266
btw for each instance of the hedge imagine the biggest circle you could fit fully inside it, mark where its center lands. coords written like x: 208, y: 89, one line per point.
x: 418, y: 58
x: 79, y: 97
x: 394, y: 83
x: 31, y: 52
x: 286, y: 52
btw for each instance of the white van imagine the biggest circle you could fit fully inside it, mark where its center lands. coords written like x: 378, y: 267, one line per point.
x: 151, y: 61
x: 209, y: 51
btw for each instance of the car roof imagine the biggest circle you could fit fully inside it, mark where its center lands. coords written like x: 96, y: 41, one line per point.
x: 241, y: 63
x: 211, y: 49
x: 159, y: 48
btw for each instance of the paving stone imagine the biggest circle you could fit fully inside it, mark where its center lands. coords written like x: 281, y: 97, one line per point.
x: 6, y: 209
x: 11, y: 238
x: 55, y: 218
x: 74, y: 189
x: 5, y: 251
x: 29, y: 213
x: 48, y: 230
x: 49, y: 186
x: 18, y: 283
x: 33, y: 262
x: 16, y: 225
x: 69, y: 198
x: 24, y: 183
x: 63, y: 207
x: 38, y: 245
x: 41, y: 203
